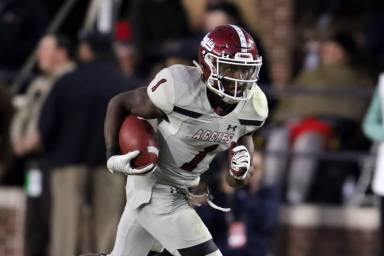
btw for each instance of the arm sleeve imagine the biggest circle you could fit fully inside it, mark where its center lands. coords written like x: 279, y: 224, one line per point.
x: 373, y: 121
x: 161, y: 91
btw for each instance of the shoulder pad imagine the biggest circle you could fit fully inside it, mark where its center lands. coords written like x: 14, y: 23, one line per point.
x: 260, y: 103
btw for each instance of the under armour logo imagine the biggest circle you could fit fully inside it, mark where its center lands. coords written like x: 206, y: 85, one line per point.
x: 231, y: 128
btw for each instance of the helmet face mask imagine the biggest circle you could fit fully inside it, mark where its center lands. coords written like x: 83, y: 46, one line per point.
x: 232, y: 80
x: 230, y: 63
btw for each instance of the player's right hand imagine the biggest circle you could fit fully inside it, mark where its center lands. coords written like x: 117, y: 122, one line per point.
x: 240, y: 162
x: 122, y: 164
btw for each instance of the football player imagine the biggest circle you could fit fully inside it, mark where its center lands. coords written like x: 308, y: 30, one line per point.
x: 202, y: 110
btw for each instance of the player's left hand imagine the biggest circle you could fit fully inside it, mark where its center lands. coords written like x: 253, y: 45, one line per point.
x: 198, y: 195
x: 122, y: 163
x: 240, y: 162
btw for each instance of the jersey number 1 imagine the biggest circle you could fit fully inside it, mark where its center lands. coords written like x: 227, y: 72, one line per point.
x: 198, y: 158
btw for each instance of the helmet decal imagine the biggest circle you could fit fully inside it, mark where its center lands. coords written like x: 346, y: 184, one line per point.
x: 207, y: 43
x: 243, y: 41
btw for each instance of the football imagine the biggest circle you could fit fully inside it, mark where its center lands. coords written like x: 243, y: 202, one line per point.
x: 138, y: 134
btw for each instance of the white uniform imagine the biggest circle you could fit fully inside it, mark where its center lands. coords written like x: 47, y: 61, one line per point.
x: 189, y: 139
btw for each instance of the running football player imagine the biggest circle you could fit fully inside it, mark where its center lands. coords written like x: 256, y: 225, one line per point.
x: 215, y: 106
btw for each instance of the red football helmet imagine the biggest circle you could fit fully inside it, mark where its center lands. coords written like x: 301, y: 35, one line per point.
x: 230, y: 62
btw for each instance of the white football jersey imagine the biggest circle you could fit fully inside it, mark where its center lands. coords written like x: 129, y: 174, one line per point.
x: 193, y: 133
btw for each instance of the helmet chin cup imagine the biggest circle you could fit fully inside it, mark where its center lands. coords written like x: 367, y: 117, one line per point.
x: 227, y: 98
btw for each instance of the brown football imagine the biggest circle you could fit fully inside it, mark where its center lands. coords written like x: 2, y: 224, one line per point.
x: 137, y: 133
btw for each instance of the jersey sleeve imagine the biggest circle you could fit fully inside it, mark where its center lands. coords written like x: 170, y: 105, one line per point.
x: 256, y: 113
x: 161, y: 91
x: 260, y: 104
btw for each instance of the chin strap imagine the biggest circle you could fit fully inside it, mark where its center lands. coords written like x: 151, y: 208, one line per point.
x: 216, y: 207
x: 209, y: 196
x: 198, y: 66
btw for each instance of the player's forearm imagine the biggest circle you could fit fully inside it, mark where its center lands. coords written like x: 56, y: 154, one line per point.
x: 116, y: 112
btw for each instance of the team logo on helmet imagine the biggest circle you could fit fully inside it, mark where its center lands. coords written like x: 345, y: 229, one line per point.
x: 208, y: 43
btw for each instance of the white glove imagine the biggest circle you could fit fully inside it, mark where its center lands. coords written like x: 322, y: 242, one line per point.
x: 240, y: 162
x: 122, y: 163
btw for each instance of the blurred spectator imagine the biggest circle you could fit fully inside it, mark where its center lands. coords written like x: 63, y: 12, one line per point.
x: 126, y: 54
x: 248, y: 228
x: 305, y: 122
x: 22, y: 23
x: 71, y: 126
x: 6, y: 111
x: 127, y: 58
x: 312, y: 57
x: 148, y: 31
x: 53, y: 58
x: 373, y: 127
x: 155, y: 24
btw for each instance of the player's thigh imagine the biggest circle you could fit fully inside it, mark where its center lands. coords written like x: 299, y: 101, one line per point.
x: 178, y: 229
x: 132, y: 239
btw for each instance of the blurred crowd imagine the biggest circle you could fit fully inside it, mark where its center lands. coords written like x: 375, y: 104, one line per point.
x: 51, y: 128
